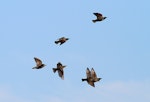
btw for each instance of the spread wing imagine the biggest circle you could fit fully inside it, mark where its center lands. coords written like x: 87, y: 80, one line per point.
x: 62, y: 38
x: 38, y: 61
x: 98, y: 14
x: 93, y: 73
x: 91, y: 83
x: 88, y: 73
x: 61, y: 73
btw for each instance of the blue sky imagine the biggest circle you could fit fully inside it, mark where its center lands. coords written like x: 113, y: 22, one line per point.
x: 117, y: 48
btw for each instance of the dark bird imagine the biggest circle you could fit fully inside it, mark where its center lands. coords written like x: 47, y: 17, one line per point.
x: 60, y: 70
x: 91, y: 77
x: 99, y: 17
x: 61, y: 40
x: 39, y: 63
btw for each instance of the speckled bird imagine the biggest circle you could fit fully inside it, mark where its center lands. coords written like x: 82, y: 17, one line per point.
x: 60, y: 70
x: 99, y: 16
x: 39, y: 63
x: 91, y: 77
x: 61, y: 40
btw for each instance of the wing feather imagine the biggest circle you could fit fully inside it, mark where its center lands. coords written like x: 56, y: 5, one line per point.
x: 38, y: 61
x: 91, y: 83
x: 93, y: 73
x: 88, y: 73
x: 97, y: 14
x: 61, y: 73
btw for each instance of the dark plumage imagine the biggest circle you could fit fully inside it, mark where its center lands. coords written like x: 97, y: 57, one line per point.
x: 91, y: 77
x: 61, y: 40
x: 99, y: 17
x: 39, y: 63
x: 59, y: 68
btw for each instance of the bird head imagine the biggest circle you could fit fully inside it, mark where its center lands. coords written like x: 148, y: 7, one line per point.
x: 99, y: 79
x: 104, y: 17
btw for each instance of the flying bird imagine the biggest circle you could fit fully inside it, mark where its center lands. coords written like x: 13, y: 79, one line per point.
x: 91, y: 77
x: 99, y: 16
x: 39, y: 63
x: 60, y: 70
x: 61, y: 40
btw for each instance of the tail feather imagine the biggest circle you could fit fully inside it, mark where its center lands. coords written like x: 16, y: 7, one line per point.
x: 54, y: 70
x: 56, y: 42
x: 94, y: 21
x: 34, y: 68
x: 84, y: 79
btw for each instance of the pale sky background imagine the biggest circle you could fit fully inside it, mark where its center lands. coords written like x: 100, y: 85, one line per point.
x: 118, y: 48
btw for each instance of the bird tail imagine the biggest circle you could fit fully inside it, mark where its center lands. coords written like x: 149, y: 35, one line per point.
x: 56, y: 42
x: 94, y: 21
x: 83, y: 79
x: 54, y: 70
x: 34, y: 68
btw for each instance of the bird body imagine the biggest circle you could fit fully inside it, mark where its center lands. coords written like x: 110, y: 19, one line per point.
x: 39, y: 63
x: 99, y: 17
x: 60, y: 70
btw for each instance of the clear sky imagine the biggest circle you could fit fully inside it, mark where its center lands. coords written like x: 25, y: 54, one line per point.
x: 118, y: 48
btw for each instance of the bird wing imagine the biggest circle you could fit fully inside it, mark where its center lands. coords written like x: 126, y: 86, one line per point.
x: 38, y: 61
x: 98, y: 14
x: 62, y: 38
x: 91, y: 83
x: 88, y: 73
x: 61, y: 73
x: 93, y: 73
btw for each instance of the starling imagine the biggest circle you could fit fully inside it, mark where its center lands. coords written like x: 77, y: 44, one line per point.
x: 39, y: 64
x: 99, y: 17
x: 60, y: 70
x: 61, y: 40
x: 91, y: 77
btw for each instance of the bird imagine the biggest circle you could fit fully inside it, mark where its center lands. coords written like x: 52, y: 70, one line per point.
x: 61, y: 40
x: 60, y: 70
x: 99, y: 16
x: 39, y: 63
x: 91, y: 77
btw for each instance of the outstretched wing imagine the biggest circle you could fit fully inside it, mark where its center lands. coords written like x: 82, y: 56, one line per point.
x: 62, y: 38
x: 98, y: 14
x: 91, y: 83
x: 88, y: 73
x: 38, y: 61
x: 93, y: 73
x: 61, y: 73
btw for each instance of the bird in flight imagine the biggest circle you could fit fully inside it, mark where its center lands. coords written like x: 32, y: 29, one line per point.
x: 99, y: 16
x: 60, y: 70
x: 91, y: 77
x: 61, y: 40
x: 39, y: 63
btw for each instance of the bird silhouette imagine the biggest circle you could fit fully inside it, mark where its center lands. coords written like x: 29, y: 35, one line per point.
x: 60, y: 70
x: 99, y: 17
x: 39, y: 63
x: 61, y: 40
x: 91, y: 77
